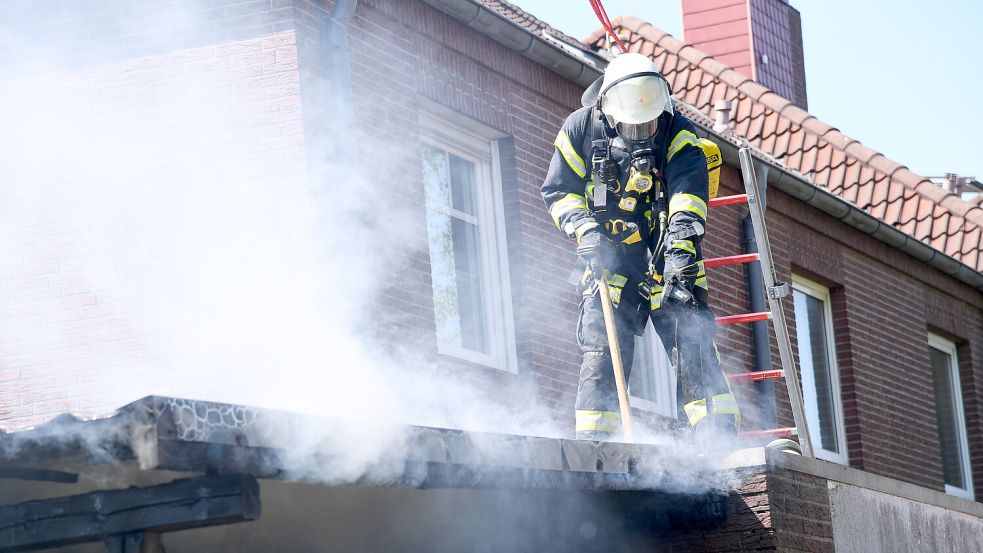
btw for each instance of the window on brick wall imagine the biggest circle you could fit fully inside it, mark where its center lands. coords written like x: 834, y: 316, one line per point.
x: 949, y: 417
x: 652, y: 384
x: 817, y: 365
x: 466, y: 237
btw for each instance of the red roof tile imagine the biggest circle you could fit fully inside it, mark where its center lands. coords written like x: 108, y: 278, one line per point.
x: 769, y: 123
x: 837, y: 156
x: 850, y: 191
x: 852, y: 174
x: 822, y: 176
x: 824, y: 155
x: 893, y: 209
x: 836, y: 174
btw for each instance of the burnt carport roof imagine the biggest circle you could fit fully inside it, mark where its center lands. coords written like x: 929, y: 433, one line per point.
x: 163, y: 433
x: 425, y: 489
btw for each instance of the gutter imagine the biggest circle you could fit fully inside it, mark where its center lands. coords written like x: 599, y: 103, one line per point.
x: 583, y: 68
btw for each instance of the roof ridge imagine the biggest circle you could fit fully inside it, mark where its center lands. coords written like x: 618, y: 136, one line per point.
x: 810, y: 123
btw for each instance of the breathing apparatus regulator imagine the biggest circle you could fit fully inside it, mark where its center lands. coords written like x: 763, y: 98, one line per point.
x: 640, y: 179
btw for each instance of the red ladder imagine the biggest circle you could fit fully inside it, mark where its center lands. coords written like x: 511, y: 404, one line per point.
x: 775, y: 292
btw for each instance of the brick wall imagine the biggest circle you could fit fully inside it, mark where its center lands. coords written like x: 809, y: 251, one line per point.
x: 769, y: 509
x: 884, y: 306
x: 136, y: 127
x: 800, y: 511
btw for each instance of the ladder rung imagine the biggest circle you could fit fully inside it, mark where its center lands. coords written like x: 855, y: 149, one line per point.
x: 770, y: 433
x: 728, y: 200
x: 730, y: 260
x: 744, y: 318
x: 756, y: 375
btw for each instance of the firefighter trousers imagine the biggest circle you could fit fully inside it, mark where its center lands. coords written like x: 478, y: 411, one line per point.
x: 687, y: 334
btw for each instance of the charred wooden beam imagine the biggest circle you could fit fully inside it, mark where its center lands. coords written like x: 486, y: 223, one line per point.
x: 40, y: 475
x: 97, y: 516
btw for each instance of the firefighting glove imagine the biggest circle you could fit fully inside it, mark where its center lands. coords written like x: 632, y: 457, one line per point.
x: 647, y: 285
x: 679, y: 278
x: 595, y: 248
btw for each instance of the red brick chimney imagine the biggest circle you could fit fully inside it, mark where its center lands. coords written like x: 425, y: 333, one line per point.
x: 760, y: 38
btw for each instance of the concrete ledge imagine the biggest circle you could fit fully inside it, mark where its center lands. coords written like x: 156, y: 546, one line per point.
x: 861, y: 479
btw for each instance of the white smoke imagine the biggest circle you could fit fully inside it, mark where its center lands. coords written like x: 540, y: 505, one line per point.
x: 160, y: 240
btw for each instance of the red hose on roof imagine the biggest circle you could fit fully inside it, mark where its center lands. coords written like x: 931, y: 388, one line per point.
x: 602, y: 16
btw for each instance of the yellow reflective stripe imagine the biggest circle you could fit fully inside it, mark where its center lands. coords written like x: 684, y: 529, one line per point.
x: 656, y: 301
x: 683, y: 138
x: 565, y: 205
x: 617, y: 280
x: 590, y: 189
x: 584, y: 228
x: 723, y: 404
x: 568, y: 152
x: 687, y: 202
x: 702, y: 283
x: 685, y: 245
x: 634, y: 238
x: 597, y: 421
x: 616, y: 284
x: 615, y: 294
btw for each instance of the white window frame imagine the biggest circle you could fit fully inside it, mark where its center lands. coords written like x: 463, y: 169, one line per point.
x: 664, y: 374
x: 478, y: 144
x: 948, y: 347
x: 821, y: 293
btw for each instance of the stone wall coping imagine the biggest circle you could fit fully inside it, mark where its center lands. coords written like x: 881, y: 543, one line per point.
x: 771, y: 458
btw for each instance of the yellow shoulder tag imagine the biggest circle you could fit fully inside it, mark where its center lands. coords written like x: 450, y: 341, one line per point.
x: 712, y: 151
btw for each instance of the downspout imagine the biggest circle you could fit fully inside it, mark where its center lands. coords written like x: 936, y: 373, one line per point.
x: 338, y: 67
x: 756, y: 299
x: 752, y: 274
x: 331, y: 153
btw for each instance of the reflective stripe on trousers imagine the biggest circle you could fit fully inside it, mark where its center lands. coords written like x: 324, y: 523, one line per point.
x: 723, y: 404
x: 597, y: 421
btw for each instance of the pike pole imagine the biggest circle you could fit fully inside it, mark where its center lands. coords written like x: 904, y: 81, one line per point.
x: 601, y: 277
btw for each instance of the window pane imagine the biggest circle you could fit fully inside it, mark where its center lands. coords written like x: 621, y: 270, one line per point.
x: 468, y: 280
x: 455, y: 260
x: 817, y: 376
x: 436, y: 177
x: 945, y: 412
x: 462, y: 184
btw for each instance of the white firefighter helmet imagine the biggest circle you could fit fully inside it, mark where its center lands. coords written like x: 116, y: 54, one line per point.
x: 633, y: 95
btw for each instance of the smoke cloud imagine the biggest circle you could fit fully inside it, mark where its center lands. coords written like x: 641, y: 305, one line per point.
x: 161, y: 238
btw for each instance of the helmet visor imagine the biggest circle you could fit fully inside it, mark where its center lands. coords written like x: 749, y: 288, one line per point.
x: 637, y: 100
x: 641, y: 131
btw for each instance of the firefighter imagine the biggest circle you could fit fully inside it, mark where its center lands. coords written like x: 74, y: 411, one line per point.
x: 628, y: 181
